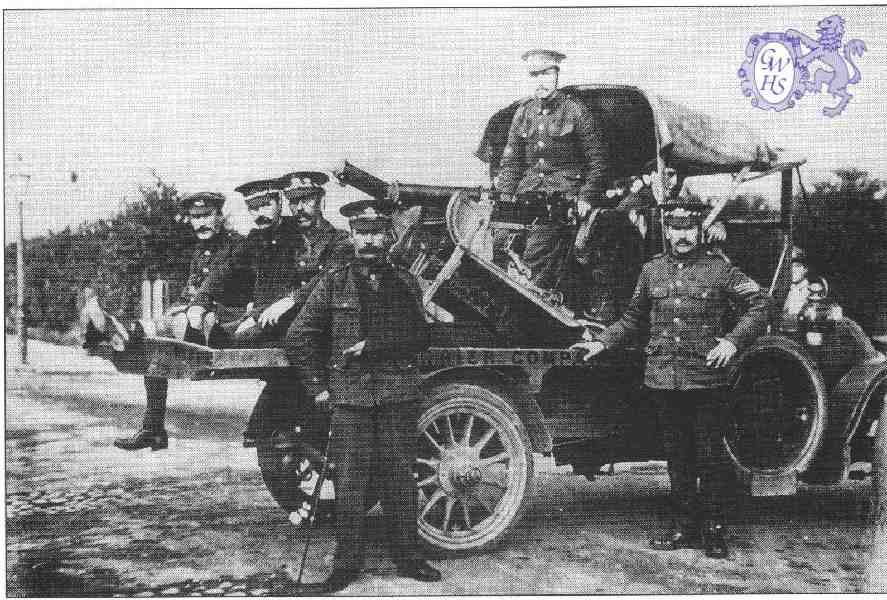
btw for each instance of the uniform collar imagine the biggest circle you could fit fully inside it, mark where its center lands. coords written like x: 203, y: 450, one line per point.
x: 698, y: 252
x: 214, y: 241
x: 551, y: 102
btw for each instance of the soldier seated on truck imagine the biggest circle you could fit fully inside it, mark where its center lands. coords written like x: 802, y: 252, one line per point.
x: 218, y: 288
x: 288, y: 255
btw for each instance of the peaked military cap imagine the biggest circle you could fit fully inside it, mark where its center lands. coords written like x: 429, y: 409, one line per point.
x: 304, y: 184
x: 367, y: 216
x: 685, y: 212
x: 539, y: 60
x: 200, y: 204
x: 255, y: 193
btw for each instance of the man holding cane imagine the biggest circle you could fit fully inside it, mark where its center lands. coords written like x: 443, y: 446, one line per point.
x: 682, y: 297
x: 356, y: 341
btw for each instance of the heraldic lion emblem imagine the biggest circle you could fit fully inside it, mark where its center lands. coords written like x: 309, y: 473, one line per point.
x: 827, y: 49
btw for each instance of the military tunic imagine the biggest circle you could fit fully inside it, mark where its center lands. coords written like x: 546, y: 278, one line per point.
x: 220, y: 276
x: 375, y: 396
x: 555, y: 145
x: 683, y: 301
x: 288, y: 261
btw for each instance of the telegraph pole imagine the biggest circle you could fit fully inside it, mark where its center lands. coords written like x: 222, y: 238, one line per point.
x: 20, y: 327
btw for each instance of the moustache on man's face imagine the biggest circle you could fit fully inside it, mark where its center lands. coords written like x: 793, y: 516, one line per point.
x: 204, y: 229
x: 263, y: 221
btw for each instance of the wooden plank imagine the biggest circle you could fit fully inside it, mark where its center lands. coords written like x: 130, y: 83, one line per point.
x: 176, y: 359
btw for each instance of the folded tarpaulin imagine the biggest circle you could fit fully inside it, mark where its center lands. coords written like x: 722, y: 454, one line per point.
x: 699, y: 143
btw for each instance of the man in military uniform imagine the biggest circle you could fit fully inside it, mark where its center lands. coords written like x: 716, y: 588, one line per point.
x: 682, y: 297
x: 555, y: 158
x: 356, y: 341
x: 219, y: 286
x: 288, y: 254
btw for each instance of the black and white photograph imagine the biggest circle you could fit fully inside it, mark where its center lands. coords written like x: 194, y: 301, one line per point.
x: 381, y: 301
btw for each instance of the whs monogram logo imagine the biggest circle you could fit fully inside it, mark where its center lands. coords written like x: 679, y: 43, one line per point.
x: 776, y: 70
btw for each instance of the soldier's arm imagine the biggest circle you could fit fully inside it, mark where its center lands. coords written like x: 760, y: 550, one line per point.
x: 636, y: 318
x: 512, y: 166
x: 338, y: 255
x: 307, y: 339
x: 758, y: 305
x: 594, y: 151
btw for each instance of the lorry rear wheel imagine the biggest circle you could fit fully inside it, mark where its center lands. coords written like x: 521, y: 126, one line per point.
x: 474, y: 466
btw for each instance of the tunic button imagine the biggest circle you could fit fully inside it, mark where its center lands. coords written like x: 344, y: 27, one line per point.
x: 206, y: 252
x: 540, y: 143
x: 541, y: 175
x: 677, y: 338
x: 205, y: 270
x: 680, y: 265
x: 677, y: 301
x: 301, y: 263
x: 676, y: 320
x: 545, y: 111
x: 273, y: 241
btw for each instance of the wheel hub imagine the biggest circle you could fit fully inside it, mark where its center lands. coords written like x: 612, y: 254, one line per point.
x: 459, y: 471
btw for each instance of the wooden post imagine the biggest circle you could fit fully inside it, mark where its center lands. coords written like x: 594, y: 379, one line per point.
x: 146, y: 299
x: 159, y: 298
x: 20, y: 326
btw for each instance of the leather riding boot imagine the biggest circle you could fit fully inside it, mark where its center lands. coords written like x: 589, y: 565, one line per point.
x: 156, y: 440
x: 714, y: 540
x: 418, y: 569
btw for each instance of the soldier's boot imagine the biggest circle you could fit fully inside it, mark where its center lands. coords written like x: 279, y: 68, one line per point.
x: 155, y: 440
x: 418, y: 569
x: 677, y: 539
x: 338, y: 580
x: 153, y: 432
x: 714, y: 540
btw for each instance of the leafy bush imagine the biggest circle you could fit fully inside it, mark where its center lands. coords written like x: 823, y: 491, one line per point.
x: 143, y: 240
x: 843, y: 228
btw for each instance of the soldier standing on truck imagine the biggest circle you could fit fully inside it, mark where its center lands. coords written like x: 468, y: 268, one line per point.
x: 682, y: 297
x: 219, y: 286
x: 356, y: 342
x: 288, y: 255
x: 555, y: 159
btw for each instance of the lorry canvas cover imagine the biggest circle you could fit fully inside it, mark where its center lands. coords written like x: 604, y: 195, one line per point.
x: 688, y: 140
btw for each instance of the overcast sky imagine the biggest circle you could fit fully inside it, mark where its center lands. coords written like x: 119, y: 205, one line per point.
x: 211, y: 99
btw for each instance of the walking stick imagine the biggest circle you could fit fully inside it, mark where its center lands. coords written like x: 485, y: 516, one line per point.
x: 315, y: 501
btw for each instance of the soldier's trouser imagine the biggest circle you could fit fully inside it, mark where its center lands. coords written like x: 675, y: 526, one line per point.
x: 377, y: 446
x: 173, y: 323
x: 692, y: 423
x: 547, y: 252
x: 282, y: 403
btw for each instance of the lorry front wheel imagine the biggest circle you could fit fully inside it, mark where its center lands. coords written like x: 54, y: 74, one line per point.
x: 474, y: 466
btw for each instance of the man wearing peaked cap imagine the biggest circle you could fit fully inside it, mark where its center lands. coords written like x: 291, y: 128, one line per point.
x: 219, y: 286
x: 356, y: 341
x: 555, y: 160
x: 681, y: 299
x: 288, y: 255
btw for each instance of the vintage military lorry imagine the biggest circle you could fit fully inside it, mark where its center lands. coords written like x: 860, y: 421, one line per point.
x: 501, y: 383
